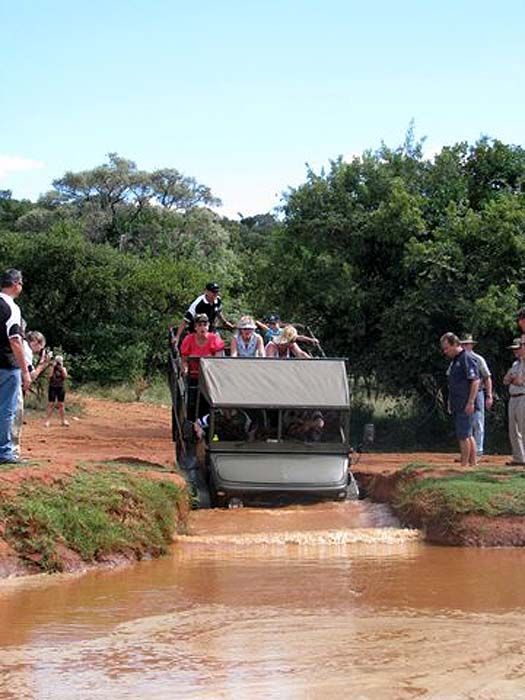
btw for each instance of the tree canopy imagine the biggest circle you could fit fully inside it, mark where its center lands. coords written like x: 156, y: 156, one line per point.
x: 379, y: 256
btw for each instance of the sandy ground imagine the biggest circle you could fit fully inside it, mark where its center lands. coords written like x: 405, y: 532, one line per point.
x: 101, y: 430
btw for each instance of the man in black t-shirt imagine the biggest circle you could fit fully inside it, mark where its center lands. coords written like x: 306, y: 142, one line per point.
x: 208, y: 303
x: 14, y: 372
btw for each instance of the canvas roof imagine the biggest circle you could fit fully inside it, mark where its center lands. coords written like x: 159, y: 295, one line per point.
x: 272, y: 383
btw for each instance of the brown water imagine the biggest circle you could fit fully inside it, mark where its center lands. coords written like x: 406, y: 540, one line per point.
x: 384, y: 616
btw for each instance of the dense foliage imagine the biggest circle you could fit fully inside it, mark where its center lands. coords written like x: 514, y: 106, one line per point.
x: 379, y: 256
x: 384, y: 254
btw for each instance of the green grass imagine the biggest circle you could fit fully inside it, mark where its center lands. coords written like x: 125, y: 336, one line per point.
x: 157, y: 391
x: 416, y: 467
x: 98, y: 512
x: 489, y: 492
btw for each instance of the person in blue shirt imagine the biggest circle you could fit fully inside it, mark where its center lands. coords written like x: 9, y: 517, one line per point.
x: 463, y: 386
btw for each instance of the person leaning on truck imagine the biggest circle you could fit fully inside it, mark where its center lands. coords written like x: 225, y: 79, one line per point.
x: 463, y: 385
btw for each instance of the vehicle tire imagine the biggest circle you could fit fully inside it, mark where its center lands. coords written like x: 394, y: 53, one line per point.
x: 217, y: 501
x: 352, y: 489
x: 203, y: 496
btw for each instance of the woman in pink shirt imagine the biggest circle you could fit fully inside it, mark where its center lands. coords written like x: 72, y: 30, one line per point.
x: 201, y: 343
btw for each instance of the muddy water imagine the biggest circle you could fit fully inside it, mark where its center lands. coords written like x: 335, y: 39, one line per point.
x: 373, y: 617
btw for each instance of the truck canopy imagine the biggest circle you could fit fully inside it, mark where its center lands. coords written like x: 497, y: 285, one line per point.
x: 271, y: 383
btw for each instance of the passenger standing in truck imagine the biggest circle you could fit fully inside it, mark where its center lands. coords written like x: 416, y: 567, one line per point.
x: 208, y: 303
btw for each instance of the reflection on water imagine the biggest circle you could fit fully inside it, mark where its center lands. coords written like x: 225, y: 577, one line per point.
x: 400, y: 620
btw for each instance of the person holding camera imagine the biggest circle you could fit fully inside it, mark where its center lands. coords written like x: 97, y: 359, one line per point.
x: 56, y: 393
x: 34, y: 345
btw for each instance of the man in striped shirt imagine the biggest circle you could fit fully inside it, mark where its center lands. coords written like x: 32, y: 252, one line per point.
x: 13, y: 367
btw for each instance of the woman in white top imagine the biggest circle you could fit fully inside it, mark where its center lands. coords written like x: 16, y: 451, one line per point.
x: 246, y: 342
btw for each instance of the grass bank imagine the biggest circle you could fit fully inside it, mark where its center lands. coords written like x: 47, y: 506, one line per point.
x: 424, y: 498
x: 98, y: 513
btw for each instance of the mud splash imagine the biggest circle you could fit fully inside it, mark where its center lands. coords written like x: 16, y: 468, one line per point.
x: 308, y: 539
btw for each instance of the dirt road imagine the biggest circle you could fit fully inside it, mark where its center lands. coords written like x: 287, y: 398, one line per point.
x: 108, y: 430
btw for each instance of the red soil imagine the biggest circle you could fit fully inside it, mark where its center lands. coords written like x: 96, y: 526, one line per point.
x: 103, y: 431
x: 379, y: 475
x: 107, y: 430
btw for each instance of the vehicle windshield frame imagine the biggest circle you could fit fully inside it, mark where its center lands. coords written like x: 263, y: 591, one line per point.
x: 281, y: 441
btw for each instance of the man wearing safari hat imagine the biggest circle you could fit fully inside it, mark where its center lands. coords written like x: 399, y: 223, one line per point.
x: 484, y: 393
x: 515, y: 380
x: 209, y: 303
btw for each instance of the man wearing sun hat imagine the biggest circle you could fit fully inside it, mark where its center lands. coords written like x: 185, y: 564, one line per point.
x: 515, y: 380
x: 485, y: 397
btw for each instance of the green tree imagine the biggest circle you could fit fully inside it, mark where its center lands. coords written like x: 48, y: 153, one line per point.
x: 115, y: 202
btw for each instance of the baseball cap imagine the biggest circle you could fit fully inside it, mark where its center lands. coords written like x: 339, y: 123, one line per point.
x: 212, y: 287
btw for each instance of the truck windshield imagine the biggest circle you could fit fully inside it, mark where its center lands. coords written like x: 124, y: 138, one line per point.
x: 284, y: 426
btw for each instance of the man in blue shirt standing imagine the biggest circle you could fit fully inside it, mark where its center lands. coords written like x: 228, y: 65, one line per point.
x: 463, y: 386
x: 485, y: 396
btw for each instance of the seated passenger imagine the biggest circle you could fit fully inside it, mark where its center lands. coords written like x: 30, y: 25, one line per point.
x: 306, y: 425
x: 231, y: 424
x: 246, y: 342
x: 201, y: 343
x: 274, y: 328
x: 271, y: 329
x: 284, y: 345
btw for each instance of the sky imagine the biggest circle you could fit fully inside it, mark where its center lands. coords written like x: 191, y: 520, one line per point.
x: 241, y: 95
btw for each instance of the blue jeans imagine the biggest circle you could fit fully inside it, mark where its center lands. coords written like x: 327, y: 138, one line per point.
x: 478, y: 424
x: 10, y: 381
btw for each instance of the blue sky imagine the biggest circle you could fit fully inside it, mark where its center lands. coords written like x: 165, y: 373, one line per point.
x: 241, y: 95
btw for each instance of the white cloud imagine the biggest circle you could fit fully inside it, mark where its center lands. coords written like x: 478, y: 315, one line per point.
x: 349, y: 157
x: 431, y: 150
x: 10, y: 164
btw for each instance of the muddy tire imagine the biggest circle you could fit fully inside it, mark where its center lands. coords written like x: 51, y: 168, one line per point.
x: 203, y: 496
x: 352, y: 489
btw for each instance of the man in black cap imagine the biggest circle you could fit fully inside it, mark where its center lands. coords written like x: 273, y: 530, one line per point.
x: 14, y: 372
x: 208, y: 303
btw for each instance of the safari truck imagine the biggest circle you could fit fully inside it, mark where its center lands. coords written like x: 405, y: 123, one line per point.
x: 268, y: 428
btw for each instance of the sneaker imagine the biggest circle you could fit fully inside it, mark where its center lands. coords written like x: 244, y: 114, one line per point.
x: 46, y: 424
x: 15, y: 460
x: 515, y: 464
x: 65, y: 423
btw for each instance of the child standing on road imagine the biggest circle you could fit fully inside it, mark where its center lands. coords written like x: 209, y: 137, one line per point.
x: 56, y: 390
